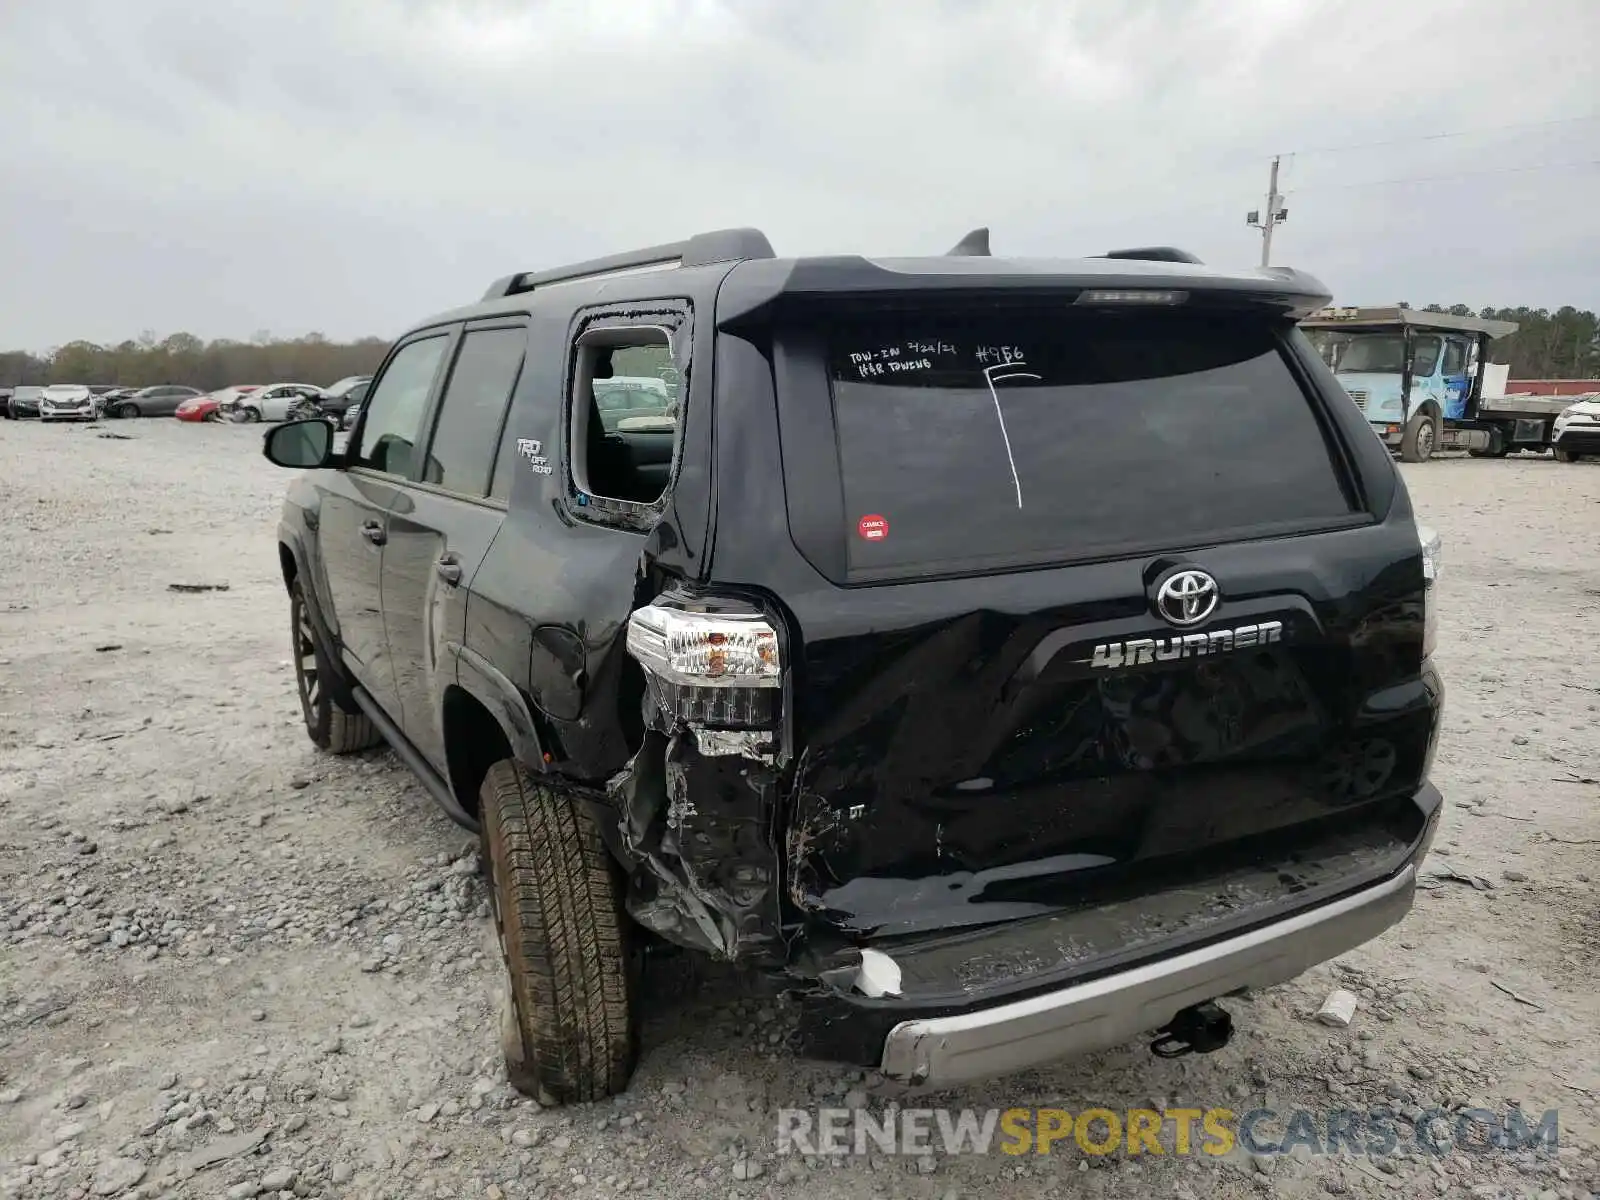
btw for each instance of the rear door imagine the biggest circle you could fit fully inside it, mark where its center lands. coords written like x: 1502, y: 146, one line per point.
x: 353, y: 509
x: 1101, y: 594
x: 441, y: 526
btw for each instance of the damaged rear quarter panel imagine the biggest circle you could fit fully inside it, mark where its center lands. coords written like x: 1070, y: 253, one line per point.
x: 701, y: 826
x: 550, y: 607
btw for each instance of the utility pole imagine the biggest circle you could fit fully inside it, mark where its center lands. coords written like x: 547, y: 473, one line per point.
x: 1275, y: 215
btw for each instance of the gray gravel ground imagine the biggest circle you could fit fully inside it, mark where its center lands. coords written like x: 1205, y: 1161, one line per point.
x: 231, y: 966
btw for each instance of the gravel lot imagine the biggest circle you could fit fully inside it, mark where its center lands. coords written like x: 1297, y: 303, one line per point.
x: 230, y: 966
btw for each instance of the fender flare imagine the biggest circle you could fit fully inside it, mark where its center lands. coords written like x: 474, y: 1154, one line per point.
x: 485, y: 683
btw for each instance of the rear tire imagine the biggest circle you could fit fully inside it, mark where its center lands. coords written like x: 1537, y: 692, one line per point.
x: 1567, y: 456
x: 556, y: 895
x: 1422, y: 433
x: 330, y: 725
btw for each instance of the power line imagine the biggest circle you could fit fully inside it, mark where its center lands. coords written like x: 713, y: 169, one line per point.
x: 1593, y: 162
x: 1436, y: 137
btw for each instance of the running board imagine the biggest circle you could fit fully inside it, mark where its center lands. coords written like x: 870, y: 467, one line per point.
x: 437, y: 787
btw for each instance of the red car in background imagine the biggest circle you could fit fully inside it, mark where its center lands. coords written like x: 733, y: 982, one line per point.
x: 204, y: 408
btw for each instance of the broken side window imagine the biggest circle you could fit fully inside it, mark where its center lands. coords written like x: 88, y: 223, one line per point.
x: 625, y: 414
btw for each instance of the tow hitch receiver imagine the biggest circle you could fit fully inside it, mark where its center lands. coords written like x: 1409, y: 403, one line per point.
x: 1199, y: 1029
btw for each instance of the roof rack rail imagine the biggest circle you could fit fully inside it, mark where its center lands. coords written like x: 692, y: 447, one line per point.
x: 1155, y: 254
x: 701, y: 250
x: 975, y: 244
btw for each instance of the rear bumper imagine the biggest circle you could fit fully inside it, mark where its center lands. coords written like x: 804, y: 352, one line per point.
x: 1107, y: 1012
x: 1115, y: 983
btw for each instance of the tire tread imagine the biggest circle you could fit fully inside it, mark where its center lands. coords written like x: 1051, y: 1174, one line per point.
x: 349, y: 733
x: 1412, y: 435
x: 565, y: 936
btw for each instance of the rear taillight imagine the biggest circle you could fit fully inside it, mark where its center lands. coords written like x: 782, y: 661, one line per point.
x: 1431, y: 547
x: 709, y: 664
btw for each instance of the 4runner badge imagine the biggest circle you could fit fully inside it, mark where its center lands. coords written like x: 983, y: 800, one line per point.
x: 1139, y: 652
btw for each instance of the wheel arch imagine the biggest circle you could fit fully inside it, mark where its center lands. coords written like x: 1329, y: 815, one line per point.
x: 288, y: 564
x: 485, y: 719
x: 473, y: 742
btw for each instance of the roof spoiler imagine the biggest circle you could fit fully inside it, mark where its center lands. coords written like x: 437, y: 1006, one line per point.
x: 701, y: 250
x: 976, y: 244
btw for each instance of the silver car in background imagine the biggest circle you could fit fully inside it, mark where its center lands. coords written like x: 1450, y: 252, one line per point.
x: 67, y: 402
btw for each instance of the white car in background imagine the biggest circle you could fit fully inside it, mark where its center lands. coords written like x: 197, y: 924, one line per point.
x: 1576, y: 433
x: 67, y: 402
x: 270, y: 403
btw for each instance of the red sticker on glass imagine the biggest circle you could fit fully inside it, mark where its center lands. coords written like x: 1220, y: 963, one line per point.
x: 873, y: 527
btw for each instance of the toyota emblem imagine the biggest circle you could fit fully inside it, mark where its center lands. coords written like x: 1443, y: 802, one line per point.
x: 1187, y: 597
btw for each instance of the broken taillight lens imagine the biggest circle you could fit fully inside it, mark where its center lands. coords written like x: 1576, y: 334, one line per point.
x: 720, y: 669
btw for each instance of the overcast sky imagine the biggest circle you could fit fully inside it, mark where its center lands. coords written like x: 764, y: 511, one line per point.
x: 349, y: 166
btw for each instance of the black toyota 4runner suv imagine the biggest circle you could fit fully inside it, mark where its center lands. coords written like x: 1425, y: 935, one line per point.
x: 1010, y: 656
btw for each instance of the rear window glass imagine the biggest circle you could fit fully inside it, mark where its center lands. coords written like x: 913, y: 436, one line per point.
x: 1048, y: 436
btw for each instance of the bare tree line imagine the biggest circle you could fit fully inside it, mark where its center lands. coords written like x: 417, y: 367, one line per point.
x: 1564, y: 344
x: 184, y: 358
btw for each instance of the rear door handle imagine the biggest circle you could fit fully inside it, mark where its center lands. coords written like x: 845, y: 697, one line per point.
x: 373, y: 532
x: 449, y: 569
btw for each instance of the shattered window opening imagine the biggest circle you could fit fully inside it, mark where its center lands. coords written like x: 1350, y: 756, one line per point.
x: 625, y: 416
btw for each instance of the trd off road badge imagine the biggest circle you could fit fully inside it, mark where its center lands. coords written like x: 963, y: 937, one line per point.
x: 529, y: 449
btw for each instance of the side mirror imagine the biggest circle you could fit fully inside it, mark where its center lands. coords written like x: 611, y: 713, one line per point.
x: 299, y: 444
